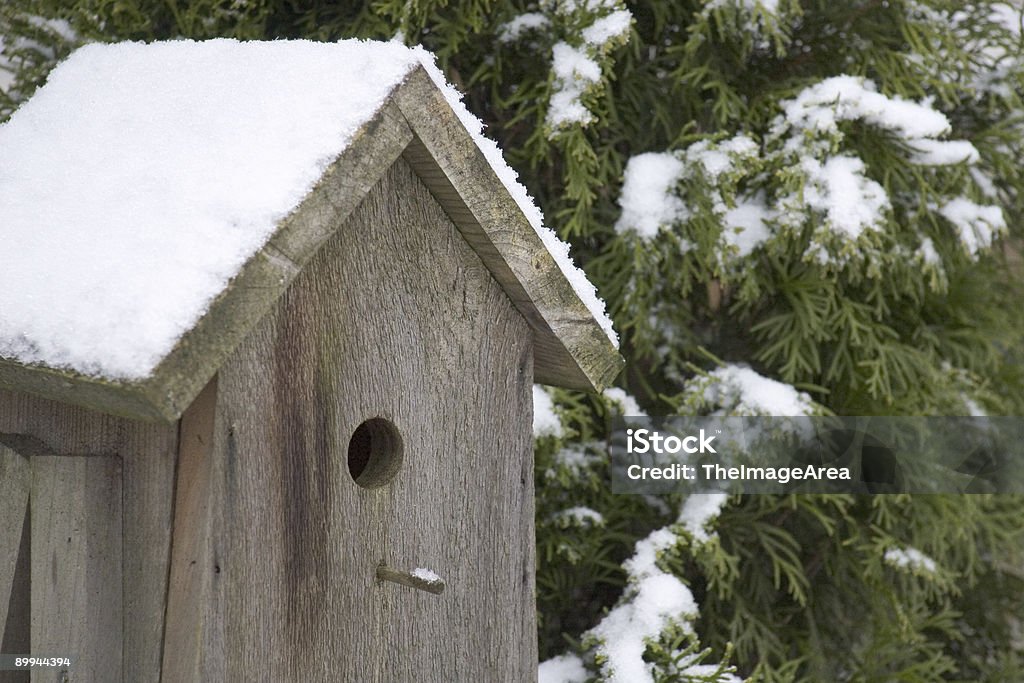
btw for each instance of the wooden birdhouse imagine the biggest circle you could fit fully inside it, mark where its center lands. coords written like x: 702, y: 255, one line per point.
x: 270, y: 315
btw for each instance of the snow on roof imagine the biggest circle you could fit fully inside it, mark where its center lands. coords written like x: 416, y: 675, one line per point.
x: 141, y: 177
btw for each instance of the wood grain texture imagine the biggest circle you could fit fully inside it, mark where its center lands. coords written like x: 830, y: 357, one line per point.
x: 76, y: 565
x: 395, y: 317
x: 147, y: 451
x: 15, y: 481
x: 18, y: 629
x: 193, y: 646
x: 572, y: 349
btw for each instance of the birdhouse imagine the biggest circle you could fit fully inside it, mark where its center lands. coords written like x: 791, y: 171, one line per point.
x: 270, y: 315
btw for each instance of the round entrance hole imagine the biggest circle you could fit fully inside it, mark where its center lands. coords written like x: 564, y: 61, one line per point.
x: 374, y: 453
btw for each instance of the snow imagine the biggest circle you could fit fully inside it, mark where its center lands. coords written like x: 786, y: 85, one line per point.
x: 699, y: 511
x: 574, y: 65
x: 973, y: 408
x: 851, y: 201
x: 943, y: 152
x: 144, y: 176
x: 424, y: 574
x: 837, y: 185
x: 654, y: 600
x: 22, y: 43
x: 745, y: 226
x: 910, y: 558
x: 25, y: 44
x: 1009, y: 17
x: 645, y: 554
x: 742, y: 391
x: 627, y: 403
x: 984, y: 183
x: 819, y: 109
x: 695, y: 670
x: 545, y: 421
x: 132, y: 155
x: 581, y: 516
x: 977, y: 225
x: 567, y: 668
x: 659, y: 600
x: 575, y: 459
x: 718, y: 159
x: 648, y: 198
x: 59, y: 26
x: 769, y: 6
x: 530, y: 21
x: 574, y: 72
x: 756, y: 15
x: 608, y: 27
x: 928, y: 253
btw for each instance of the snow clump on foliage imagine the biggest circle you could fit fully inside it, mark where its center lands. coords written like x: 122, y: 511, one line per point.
x: 910, y: 558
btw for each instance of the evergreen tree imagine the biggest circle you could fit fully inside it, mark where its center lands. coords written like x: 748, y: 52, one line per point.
x: 816, y: 201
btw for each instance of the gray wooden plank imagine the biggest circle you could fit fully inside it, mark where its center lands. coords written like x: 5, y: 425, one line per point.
x: 16, y: 636
x: 193, y: 642
x: 15, y: 481
x: 76, y: 577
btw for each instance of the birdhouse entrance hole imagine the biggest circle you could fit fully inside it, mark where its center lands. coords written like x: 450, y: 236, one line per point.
x: 374, y: 453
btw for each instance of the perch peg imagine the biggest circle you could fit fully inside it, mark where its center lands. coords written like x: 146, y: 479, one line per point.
x: 422, y: 579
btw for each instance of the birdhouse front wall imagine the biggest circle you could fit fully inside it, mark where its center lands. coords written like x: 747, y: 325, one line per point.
x: 395, y: 318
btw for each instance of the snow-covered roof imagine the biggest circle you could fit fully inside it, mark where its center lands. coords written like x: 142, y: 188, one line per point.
x: 143, y: 179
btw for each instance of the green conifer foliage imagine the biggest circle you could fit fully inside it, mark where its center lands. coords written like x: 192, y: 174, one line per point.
x: 821, y: 196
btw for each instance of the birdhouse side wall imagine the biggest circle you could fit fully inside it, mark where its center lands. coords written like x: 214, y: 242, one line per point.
x: 395, y: 318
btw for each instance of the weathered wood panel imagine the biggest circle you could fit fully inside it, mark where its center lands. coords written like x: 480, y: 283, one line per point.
x: 395, y: 317
x: 15, y: 482
x: 76, y: 564
x: 34, y: 426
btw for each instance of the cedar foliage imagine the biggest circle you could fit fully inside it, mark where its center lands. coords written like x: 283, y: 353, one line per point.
x: 789, y: 588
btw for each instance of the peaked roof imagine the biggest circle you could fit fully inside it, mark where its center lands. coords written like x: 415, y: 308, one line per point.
x: 156, y: 200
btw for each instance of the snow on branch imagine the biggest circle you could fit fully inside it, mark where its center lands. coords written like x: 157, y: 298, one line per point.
x: 910, y: 559
x: 578, y: 61
x: 655, y: 601
x: 735, y: 390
